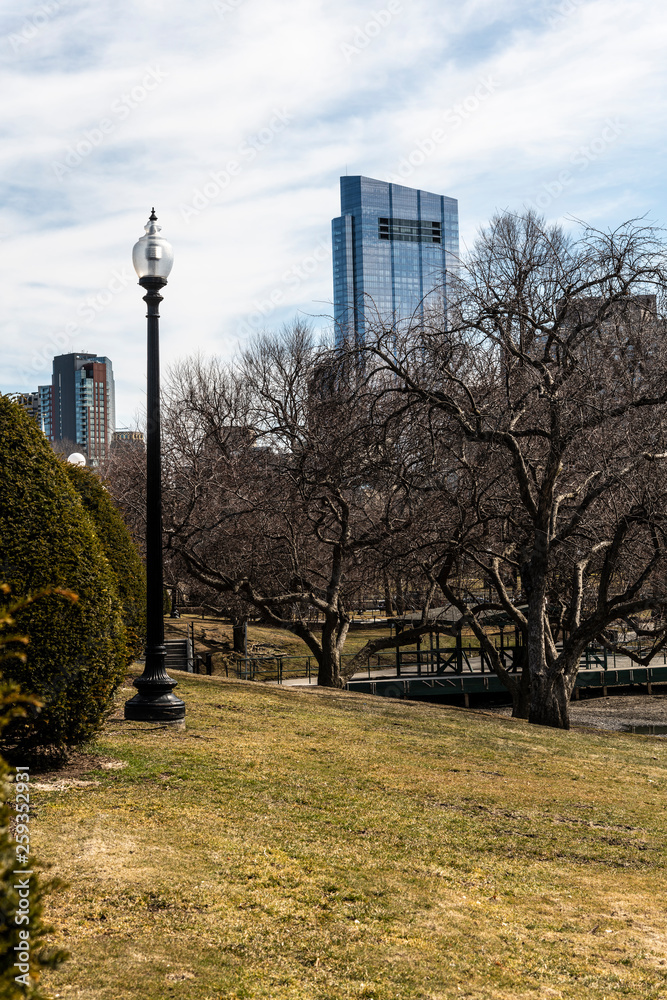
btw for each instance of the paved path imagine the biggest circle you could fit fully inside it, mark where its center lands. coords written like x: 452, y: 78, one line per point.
x: 376, y: 673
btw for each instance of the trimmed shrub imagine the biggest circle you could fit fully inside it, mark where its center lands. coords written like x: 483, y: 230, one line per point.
x: 119, y: 549
x: 13, y: 934
x: 77, y: 651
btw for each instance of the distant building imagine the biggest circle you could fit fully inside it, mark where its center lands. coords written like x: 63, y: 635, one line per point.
x: 46, y: 409
x: 29, y: 401
x: 83, y: 403
x: 126, y: 439
x: 38, y: 406
x: 392, y: 249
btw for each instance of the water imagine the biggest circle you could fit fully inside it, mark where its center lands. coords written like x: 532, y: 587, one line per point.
x: 657, y: 729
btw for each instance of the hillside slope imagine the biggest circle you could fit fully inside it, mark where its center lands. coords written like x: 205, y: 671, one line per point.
x: 323, y: 845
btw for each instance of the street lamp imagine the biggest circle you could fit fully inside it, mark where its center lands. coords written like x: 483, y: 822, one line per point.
x: 155, y: 701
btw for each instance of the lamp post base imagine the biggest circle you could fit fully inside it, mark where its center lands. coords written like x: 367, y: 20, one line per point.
x: 159, y: 708
x: 155, y: 700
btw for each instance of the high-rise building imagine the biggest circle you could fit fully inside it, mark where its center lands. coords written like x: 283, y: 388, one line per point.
x: 83, y: 403
x: 29, y: 401
x: 392, y: 249
x: 38, y: 406
x: 46, y: 409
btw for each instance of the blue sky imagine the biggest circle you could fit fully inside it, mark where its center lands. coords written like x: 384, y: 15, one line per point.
x: 235, y: 118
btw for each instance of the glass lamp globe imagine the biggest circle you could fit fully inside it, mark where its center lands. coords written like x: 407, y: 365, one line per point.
x: 152, y: 255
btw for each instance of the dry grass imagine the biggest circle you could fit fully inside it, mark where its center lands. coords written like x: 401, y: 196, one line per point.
x: 215, y: 634
x: 325, y: 845
x: 262, y: 639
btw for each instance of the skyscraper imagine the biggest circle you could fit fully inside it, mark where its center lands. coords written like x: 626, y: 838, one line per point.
x: 83, y: 402
x: 39, y: 406
x: 45, y: 419
x: 392, y: 248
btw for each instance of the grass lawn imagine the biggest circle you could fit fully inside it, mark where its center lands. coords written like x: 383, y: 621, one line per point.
x: 263, y: 640
x: 323, y: 845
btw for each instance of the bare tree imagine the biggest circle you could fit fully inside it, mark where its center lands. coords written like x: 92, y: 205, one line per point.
x: 277, y: 486
x: 543, y: 409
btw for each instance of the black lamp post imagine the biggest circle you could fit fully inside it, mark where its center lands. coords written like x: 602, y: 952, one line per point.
x: 153, y: 258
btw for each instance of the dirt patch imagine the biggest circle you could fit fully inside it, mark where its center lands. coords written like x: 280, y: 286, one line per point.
x: 620, y: 711
x: 614, y: 712
x: 70, y: 775
x: 61, y: 785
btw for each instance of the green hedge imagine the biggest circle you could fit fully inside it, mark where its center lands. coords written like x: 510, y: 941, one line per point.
x: 13, y: 933
x: 78, y: 651
x: 119, y: 549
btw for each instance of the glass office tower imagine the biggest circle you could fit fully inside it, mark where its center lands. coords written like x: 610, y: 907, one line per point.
x: 392, y: 249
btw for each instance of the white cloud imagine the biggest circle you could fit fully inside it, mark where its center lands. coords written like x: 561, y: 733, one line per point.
x: 561, y: 70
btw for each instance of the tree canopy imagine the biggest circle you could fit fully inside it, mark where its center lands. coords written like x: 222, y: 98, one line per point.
x: 77, y: 649
x: 119, y: 549
x: 515, y: 447
x: 543, y: 403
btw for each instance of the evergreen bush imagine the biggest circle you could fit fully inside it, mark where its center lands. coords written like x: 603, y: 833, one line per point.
x: 77, y: 651
x: 119, y: 549
x: 15, y: 934
x: 12, y: 934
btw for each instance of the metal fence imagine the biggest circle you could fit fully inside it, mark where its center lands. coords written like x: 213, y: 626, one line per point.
x: 463, y: 657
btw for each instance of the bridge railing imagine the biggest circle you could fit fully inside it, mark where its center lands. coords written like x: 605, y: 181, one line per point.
x: 462, y: 658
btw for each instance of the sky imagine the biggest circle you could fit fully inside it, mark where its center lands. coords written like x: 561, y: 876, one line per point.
x: 236, y: 119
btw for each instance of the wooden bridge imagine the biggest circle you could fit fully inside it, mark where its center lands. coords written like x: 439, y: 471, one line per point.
x: 459, y: 687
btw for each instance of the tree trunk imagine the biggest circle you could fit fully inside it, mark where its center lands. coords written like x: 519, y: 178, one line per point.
x: 388, y: 603
x: 239, y: 635
x: 328, y: 674
x: 548, y: 696
x: 400, y: 599
x: 521, y: 691
x: 550, y: 700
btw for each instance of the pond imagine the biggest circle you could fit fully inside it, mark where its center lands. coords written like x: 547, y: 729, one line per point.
x: 646, y: 730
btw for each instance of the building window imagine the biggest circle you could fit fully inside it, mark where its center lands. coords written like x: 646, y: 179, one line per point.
x: 409, y: 230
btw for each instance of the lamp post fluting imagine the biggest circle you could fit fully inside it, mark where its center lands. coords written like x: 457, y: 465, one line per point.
x: 155, y: 701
